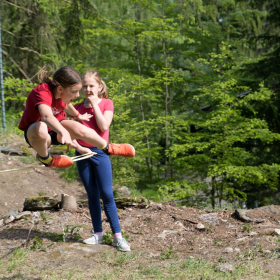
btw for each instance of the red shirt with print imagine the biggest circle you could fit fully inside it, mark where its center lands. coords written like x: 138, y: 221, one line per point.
x: 104, y: 105
x: 41, y: 94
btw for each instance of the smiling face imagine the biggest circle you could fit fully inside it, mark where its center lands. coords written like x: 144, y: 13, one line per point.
x: 68, y: 94
x: 91, y: 86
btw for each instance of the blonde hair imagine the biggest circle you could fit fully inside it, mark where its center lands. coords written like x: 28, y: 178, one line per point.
x: 95, y: 74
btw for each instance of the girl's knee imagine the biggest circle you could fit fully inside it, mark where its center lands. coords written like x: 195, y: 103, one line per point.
x: 107, y: 196
x: 82, y: 132
x: 92, y: 196
x: 38, y: 130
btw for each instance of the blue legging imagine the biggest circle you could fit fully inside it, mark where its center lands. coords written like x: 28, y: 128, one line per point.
x: 96, y: 175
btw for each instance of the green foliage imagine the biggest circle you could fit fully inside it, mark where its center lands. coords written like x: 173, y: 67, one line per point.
x: 150, y: 192
x: 18, y: 258
x: 29, y: 159
x: 12, y: 122
x: 218, y: 149
x: 16, y: 91
x: 175, y: 190
x: 248, y: 227
x: 167, y: 254
x: 71, y: 173
x: 68, y: 233
x: 41, y: 193
x: 18, y: 254
x: 37, y: 244
x: 71, y: 232
x: 43, y: 216
x: 166, y: 64
x: 108, y: 237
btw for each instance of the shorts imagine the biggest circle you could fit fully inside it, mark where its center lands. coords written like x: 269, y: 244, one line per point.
x: 53, y: 135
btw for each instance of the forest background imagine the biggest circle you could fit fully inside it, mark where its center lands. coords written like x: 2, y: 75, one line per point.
x: 195, y: 84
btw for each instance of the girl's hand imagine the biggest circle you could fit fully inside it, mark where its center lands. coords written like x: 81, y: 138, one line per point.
x: 84, y: 117
x: 93, y: 99
x: 80, y: 149
x: 83, y: 150
x: 65, y: 138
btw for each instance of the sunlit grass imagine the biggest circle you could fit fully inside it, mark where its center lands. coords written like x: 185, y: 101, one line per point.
x: 17, y: 259
x: 133, y: 265
x: 12, y: 122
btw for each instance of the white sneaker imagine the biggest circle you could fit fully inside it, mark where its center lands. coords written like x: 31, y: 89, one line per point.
x: 121, y: 244
x: 94, y: 239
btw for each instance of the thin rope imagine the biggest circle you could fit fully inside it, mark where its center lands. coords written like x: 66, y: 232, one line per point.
x: 83, y: 156
x: 76, y: 158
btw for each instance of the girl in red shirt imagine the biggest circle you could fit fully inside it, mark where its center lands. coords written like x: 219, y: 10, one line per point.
x: 44, y: 120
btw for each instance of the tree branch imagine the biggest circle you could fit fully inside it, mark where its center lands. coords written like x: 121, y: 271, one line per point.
x: 20, y: 69
x: 99, y: 14
x: 12, y: 4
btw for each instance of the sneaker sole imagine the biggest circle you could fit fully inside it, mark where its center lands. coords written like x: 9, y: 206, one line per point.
x: 90, y: 243
x: 122, y: 250
x: 125, y: 250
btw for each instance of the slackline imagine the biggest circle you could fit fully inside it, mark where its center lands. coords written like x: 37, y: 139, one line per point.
x: 76, y: 158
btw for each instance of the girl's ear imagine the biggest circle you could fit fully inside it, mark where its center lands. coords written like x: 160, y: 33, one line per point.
x: 59, y: 90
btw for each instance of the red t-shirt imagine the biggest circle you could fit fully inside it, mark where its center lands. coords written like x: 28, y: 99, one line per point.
x: 41, y: 94
x: 104, y: 105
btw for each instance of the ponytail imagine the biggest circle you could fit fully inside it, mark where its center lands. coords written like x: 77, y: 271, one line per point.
x: 65, y: 77
x: 103, y: 92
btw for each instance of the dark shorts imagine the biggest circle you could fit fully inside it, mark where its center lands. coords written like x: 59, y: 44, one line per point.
x: 53, y: 135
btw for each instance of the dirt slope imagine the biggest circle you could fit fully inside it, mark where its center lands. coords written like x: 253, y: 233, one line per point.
x: 215, y: 235
x: 16, y: 186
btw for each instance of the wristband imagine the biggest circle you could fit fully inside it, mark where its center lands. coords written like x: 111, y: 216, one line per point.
x: 77, y: 115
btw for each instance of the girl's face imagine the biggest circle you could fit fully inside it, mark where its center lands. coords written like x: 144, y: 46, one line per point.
x: 91, y: 86
x: 68, y: 94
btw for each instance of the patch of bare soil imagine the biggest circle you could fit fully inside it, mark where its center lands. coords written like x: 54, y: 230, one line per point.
x: 22, y: 183
x: 224, y: 236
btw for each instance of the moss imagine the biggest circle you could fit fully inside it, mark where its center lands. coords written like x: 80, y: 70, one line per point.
x: 26, y: 150
x: 131, y: 201
x: 122, y: 202
x: 82, y: 202
x: 40, y: 203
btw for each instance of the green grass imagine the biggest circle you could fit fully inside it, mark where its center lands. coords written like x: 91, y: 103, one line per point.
x: 117, y: 265
x: 147, y: 193
x: 12, y: 122
x: 28, y: 159
x: 17, y: 259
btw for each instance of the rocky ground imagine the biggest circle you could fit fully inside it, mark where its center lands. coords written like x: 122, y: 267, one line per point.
x: 223, y: 236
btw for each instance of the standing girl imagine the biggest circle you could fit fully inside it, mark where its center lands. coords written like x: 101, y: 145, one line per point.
x: 96, y: 172
x: 44, y: 121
